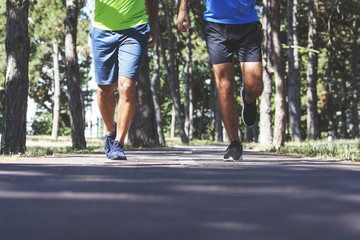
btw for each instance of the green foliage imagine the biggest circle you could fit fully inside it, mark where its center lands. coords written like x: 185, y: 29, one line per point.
x: 42, y: 125
x: 46, y: 22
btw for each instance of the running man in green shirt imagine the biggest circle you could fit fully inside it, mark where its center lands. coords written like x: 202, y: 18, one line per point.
x: 120, y: 34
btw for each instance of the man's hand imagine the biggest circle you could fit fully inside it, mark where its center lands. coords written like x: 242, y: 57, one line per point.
x: 183, y: 17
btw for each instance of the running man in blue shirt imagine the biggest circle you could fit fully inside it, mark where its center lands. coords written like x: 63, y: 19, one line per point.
x: 232, y: 26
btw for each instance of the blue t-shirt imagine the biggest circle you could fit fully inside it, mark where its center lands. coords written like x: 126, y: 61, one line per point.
x: 231, y: 11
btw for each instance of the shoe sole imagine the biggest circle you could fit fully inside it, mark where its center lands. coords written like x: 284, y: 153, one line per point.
x: 119, y: 158
x: 233, y: 160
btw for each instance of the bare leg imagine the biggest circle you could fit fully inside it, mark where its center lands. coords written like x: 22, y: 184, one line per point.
x: 107, y: 103
x: 126, y: 107
x: 224, y: 74
x: 253, y: 82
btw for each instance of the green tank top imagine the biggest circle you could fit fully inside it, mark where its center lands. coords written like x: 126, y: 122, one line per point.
x: 116, y: 15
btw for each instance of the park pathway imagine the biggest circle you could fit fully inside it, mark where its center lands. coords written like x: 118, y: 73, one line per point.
x: 180, y: 193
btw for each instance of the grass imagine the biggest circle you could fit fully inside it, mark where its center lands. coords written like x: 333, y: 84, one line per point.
x: 45, y: 145
x: 338, y: 149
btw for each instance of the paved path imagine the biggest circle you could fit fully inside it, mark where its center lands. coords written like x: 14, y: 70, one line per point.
x: 180, y: 193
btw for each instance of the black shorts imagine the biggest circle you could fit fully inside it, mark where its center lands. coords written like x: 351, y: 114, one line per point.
x: 223, y: 40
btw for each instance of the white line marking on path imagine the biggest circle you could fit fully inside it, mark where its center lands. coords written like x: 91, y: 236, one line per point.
x: 187, y: 160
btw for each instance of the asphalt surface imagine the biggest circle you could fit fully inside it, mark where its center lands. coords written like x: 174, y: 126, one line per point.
x: 179, y: 193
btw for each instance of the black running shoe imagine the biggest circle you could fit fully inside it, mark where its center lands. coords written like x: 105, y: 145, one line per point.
x: 109, y: 141
x: 234, y: 152
x: 249, y: 111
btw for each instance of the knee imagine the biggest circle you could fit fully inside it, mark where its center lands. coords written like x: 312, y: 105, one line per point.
x: 105, y: 91
x: 258, y: 89
x: 127, y: 89
x: 225, y: 87
x: 255, y: 87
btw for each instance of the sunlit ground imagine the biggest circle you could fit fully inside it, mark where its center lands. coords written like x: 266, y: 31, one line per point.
x: 45, y: 145
x: 338, y: 149
x: 62, y: 141
x: 346, y: 149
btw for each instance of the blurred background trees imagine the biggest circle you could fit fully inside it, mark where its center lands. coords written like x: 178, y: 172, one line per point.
x: 318, y: 58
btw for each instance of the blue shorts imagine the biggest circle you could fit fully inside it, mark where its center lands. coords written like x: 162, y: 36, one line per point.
x: 118, y: 53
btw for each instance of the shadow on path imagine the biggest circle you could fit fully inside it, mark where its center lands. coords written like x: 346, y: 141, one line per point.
x: 265, y: 197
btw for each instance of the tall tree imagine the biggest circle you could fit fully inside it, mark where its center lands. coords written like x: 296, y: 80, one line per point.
x: 343, y: 107
x: 46, y: 65
x: 280, y: 115
x: 204, y: 101
x: 46, y: 23
x: 189, y: 106
x: 2, y: 60
x: 218, y: 119
x: 13, y: 139
x: 173, y: 122
x: 330, y: 110
x: 143, y: 131
x: 171, y: 70
x: 56, y: 91
x: 266, y: 136
x: 313, y: 129
x: 153, y: 85
x: 329, y: 97
x: 75, y: 99
x: 293, y: 80
x: 354, y: 121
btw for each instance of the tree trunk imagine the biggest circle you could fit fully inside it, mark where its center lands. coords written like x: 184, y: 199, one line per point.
x: 56, y: 91
x: 143, y: 130
x: 343, y: 108
x: 157, y: 106
x: 329, y: 97
x: 329, y: 100
x: 172, y: 72
x: 189, y: 108
x: 218, y: 119
x: 255, y: 131
x: 266, y: 136
x: 173, y: 122
x: 202, y: 110
x: 280, y: 115
x: 75, y: 99
x: 249, y: 134
x: 216, y: 122
x: 13, y: 139
x: 294, y: 101
x: 313, y: 128
x: 354, y: 121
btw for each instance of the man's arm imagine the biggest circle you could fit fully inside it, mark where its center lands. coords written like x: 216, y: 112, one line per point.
x: 152, y: 10
x: 183, y: 16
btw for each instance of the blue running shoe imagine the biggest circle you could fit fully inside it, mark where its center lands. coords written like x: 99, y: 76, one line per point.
x: 117, y: 151
x: 109, y: 141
